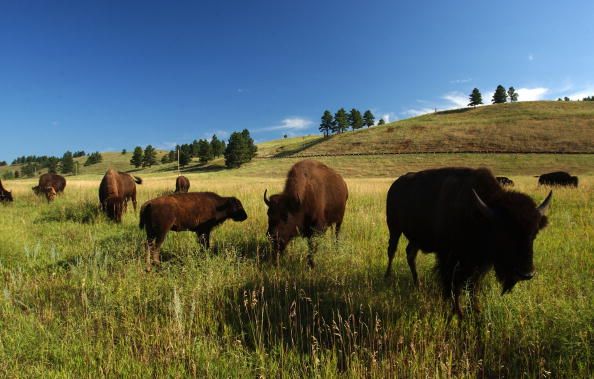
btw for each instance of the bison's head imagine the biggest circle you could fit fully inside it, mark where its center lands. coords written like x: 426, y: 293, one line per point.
x: 36, y: 190
x: 113, y: 207
x: 6, y: 195
x: 514, y: 223
x: 282, y: 220
x: 234, y: 209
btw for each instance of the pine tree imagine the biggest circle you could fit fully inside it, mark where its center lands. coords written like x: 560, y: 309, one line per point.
x: 381, y: 121
x: 355, y: 119
x: 341, y: 121
x: 67, y: 163
x: 184, y: 158
x: 475, y: 98
x: 150, y: 156
x: 137, y: 157
x: 204, y: 151
x: 165, y: 159
x: 513, y: 95
x: 240, y: 149
x: 327, y: 124
x: 124, y: 151
x: 500, y: 95
x: 368, y: 118
x: 217, y: 146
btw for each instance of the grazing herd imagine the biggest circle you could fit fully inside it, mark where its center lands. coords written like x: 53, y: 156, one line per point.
x: 465, y: 216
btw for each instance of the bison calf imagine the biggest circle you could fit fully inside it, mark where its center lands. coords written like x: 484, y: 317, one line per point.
x: 198, y: 212
x: 50, y: 185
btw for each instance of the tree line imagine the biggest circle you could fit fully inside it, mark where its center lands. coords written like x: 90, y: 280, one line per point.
x: 342, y: 120
x: 32, y: 164
x: 239, y: 149
x: 499, y: 96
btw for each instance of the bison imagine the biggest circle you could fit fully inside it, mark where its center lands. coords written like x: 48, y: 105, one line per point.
x: 50, y: 185
x: 5, y: 195
x: 504, y: 181
x: 199, y: 212
x: 558, y: 178
x: 314, y: 198
x: 470, y: 222
x: 115, y: 190
x: 182, y: 184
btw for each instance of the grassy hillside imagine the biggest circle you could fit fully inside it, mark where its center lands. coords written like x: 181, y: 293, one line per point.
x: 542, y: 126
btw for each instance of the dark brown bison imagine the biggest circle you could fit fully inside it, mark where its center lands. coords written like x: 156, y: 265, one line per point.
x: 504, y: 181
x: 314, y: 198
x: 182, y: 184
x: 115, y: 190
x: 558, y: 178
x: 199, y: 212
x: 5, y: 195
x: 50, y: 185
x: 470, y: 222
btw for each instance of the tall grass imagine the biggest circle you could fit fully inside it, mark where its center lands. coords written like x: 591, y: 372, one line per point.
x: 76, y: 301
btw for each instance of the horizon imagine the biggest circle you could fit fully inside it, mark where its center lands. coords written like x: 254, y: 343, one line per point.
x: 101, y: 77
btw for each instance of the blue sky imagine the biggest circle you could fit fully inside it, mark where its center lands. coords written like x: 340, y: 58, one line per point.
x: 108, y: 75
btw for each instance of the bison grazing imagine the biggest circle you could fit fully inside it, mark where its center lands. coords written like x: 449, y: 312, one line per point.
x: 558, y: 178
x: 5, y: 195
x: 470, y: 222
x: 504, y: 181
x: 182, y: 184
x: 115, y: 190
x: 199, y: 212
x: 314, y: 198
x: 50, y: 185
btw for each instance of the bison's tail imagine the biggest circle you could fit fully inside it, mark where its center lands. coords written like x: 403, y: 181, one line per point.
x: 137, y: 179
x: 144, y: 210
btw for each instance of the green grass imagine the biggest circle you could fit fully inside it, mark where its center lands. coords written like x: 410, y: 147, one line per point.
x: 76, y: 301
x: 542, y: 126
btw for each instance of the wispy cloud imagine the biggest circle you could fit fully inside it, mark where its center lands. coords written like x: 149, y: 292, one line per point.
x: 460, y: 81
x: 221, y: 134
x: 289, y: 123
x: 388, y: 117
x: 578, y: 95
x: 413, y: 112
x: 166, y: 145
x: 456, y: 99
x: 532, y: 94
x: 530, y: 57
x: 241, y: 90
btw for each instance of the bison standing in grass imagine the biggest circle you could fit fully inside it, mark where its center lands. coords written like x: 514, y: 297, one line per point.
x: 558, y: 178
x: 199, y: 212
x: 470, y: 222
x: 5, y: 195
x: 314, y: 198
x: 115, y: 190
x: 182, y: 184
x: 50, y: 185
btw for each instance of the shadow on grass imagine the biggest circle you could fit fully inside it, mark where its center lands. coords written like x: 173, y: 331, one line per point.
x: 455, y: 111
x: 307, y: 145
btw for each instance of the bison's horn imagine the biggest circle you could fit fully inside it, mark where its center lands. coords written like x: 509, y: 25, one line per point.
x: 484, y: 208
x: 542, y: 208
x: 266, y: 200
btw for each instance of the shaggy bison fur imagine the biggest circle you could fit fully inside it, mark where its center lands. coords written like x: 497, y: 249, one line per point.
x: 115, y: 189
x: 182, y: 184
x: 470, y: 222
x: 314, y: 198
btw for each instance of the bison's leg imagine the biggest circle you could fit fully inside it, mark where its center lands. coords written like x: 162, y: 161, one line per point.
x: 474, y: 286
x: 411, y: 256
x: 204, y: 239
x: 392, y: 246
x: 460, y: 276
x: 150, y: 242
x: 134, y: 201
x: 312, y: 247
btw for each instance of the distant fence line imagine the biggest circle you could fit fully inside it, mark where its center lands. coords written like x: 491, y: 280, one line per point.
x: 428, y: 153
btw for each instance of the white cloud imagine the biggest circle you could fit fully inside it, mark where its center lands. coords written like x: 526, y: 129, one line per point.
x: 581, y: 94
x: 530, y: 57
x: 413, y: 112
x: 457, y: 99
x: 388, y: 117
x: 532, y: 94
x: 289, y: 123
x: 460, y: 81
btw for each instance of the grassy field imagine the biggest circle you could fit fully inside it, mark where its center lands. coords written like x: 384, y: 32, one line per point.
x: 541, y: 126
x: 76, y: 301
